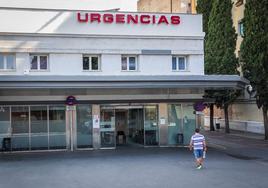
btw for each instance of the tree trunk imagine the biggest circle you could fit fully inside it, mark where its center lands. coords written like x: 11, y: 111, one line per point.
x: 226, y: 117
x: 265, y: 121
x: 211, y: 116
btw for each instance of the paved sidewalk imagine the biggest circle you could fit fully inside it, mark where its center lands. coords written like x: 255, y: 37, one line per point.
x: 239, y: 144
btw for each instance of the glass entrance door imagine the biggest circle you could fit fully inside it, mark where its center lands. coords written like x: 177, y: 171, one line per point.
x: 84, y: 127
x: 151, y: 136
x: 107, y: 128
x: 136, y: 126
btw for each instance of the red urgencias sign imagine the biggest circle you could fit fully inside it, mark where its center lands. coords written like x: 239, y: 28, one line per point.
x: 121, y: 18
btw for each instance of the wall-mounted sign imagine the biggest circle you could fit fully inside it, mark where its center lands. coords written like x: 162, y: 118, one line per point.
x: 199, y: 106
x: 121, y: 18
x: 96, y: 121
x: 71, y: 100
x: 162, y: 121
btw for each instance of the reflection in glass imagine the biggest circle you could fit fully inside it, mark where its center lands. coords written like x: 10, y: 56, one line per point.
x: 39, y: 128
x: 2, y: 61
x: 43, y: 62
x: 136, y: 126
x: 107, y: 128
x: 124, y: 63
x: 84, y: 126
x: 10, y: 61
x: 174, y: 63
x: 94, y: 63
x: 4, y: 124
x: 20, y: 128
x: 34, y: 64
x: 132, y: 63
x: 182, y: 65
x: 57, y: 127
x: 175, y: 123
x: 151, y: 125
x: 189, y: 122
x: 85, y: 63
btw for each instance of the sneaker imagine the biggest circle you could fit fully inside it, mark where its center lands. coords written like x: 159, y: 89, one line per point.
x: 199, y: 167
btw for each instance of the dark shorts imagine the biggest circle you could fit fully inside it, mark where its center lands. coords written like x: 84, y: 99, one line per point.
x: 198, y: 153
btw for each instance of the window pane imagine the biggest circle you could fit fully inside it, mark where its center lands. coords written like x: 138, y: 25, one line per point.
x: 174, y: 63
x: 20, y: 128
x: 132, y: 63
x: 38, y: 119
x: 124, y: 63
x: 151, y: 125
x: 4, y: 120
x: 94, y: 63
x: 84, y: 126
x: 57, y: 127
x: 182, y: 65
x: 1, y: 61
x: 20, y: 119
x: 10, y: 61
x: 33, y: 62
x: 43, y: 62
x: 85, y: 63
x: 39, y: 128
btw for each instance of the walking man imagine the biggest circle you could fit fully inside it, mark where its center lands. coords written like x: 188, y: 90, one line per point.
x: 198, y: 143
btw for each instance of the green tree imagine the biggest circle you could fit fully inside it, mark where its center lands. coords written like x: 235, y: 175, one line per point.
x: 204, y: 7
x: 254, y: 52
x: 220, y: 51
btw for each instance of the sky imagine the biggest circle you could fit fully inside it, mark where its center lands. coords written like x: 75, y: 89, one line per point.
x: 124, y: 5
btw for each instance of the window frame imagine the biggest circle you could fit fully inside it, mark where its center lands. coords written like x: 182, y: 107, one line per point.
x: 5, y: 62
x: 128, y: 57
x: 177, y: 63
x: 90, y: 56
x: 38, y: 63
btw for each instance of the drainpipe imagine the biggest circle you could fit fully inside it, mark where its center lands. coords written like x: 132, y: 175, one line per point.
x: 171, y: 3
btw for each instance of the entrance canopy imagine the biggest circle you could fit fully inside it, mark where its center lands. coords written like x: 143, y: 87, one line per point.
x: 217, y: 82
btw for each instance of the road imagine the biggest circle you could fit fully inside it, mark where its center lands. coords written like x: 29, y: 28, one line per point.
x: 130, y: 168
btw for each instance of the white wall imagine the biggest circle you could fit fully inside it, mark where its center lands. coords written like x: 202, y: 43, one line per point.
x: 65, y: 54
x: 58, y: 34
x: 65, y: 22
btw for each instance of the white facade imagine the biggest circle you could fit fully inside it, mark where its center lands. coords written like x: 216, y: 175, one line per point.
x: 65, y: 40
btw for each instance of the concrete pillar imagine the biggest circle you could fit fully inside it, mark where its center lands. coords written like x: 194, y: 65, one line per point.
x: 163, y: 124
x: 96, y: 126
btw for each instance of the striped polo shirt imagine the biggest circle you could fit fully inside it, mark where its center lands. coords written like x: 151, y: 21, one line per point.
x: 197, y: 140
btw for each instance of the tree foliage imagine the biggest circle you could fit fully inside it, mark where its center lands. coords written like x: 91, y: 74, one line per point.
x: 221, y: 40
x: 220, y: 55
x: 204, y: 7
x: 254, y: 52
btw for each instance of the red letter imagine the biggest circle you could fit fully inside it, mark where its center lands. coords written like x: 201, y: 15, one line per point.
x: 130, y: 18
x: 162, y: 19
x: 175, y: 20
x: 145, y: 19
x: 85, y: 19
x: 154, y: 19
x: 95, y: 17
x: 108, y: 18
x: 120, y: 18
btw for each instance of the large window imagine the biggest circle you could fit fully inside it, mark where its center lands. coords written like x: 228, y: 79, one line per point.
x: 129, y: 63
x: 91, y: 63
x: 7, y: 62
x: 39, y: 62
x: 179, y: 63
